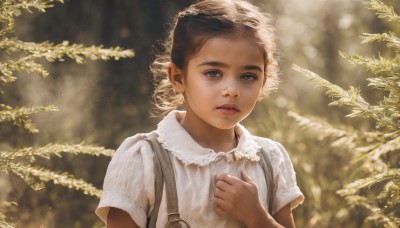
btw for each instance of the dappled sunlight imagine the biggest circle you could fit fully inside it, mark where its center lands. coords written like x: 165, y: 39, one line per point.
x: 101, y: 103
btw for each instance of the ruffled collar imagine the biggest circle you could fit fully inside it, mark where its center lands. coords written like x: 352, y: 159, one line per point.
x: 174, y: 138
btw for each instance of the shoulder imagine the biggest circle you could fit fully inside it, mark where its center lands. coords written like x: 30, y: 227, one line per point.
x: 278, y: 156
x: 274, y: 150
x: 133, y: 154
x: 138, y: 140
x: 133, y: 145
x: 266, y: 142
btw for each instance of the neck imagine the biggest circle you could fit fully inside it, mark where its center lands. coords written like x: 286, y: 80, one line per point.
x: 207, y: 136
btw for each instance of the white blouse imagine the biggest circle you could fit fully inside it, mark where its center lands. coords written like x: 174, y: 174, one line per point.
x: 129, y: 181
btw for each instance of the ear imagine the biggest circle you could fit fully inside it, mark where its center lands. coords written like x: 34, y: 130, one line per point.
x: 176, y: 78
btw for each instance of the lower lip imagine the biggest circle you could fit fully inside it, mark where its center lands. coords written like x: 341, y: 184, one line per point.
x: 228, y: 111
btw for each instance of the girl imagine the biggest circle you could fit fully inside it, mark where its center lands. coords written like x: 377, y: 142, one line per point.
x: 219, y: 60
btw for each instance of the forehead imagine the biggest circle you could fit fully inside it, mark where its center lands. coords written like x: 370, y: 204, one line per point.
x: 236, y: 51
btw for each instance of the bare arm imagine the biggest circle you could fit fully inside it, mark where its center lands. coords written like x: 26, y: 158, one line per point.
x: 118, y: 218
x: 285, y: 217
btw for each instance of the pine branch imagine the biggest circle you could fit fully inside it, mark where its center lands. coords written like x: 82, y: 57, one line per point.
x: 377, y: 214
x: 390, y: 197
x: 51, y: 53
x: 352, y: 98
x: 323, y: 128
x: 18, y: 160
x: 49, y: 150
x: 382, y: 10
x: 19, y: 169
x: 57, y: 149
x: 388, y: 80
x: 63, y: 179
x: 27, y: 172
x: 56, y: 52
x: 9, y: 9
x: 381, y: 220
x: 385, y: 148
x: 384, y: 67
x: 354, y: 187
x: 20, y: 116
x: 7, y: 23
x: 343, y: 137
x: 26, y: 64
x: 384, y: 84
x: 5, y: 206
x: 14, y: 7
x: 391, y: 39
x: 374, y: 155
x: 349, y: 98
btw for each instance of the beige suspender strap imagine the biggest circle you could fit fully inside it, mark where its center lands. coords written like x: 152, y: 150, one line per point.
x: 158, y: 183
x: 162, y: 159
x: 268, y: 173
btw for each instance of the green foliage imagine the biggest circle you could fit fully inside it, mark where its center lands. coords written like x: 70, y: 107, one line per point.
x: 373, y: 170
x: 10, y: 161
x: 9, y: 9
x: 19, y: 56
x: 20, y: 116
x: 383, y: 11
x: 50, y: 52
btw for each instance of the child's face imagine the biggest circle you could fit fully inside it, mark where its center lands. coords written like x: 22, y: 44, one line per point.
x: 223, y: 81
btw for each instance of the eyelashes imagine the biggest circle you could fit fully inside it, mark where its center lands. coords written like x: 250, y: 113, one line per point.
x: 215, y: 74
x: 249, y: 77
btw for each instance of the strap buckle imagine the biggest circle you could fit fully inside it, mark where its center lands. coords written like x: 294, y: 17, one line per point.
x: 174, y: 221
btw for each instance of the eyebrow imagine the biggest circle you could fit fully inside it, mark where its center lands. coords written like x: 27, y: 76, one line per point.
x: 220, y: 64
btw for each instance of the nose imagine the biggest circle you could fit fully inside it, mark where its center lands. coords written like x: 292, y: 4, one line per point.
x: 231, y: 91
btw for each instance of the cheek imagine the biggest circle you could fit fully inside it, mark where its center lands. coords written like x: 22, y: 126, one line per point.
x: 201, y: 87
x: 253, y: 92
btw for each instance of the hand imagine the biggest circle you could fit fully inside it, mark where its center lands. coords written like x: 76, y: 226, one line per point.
x: 237, y: 198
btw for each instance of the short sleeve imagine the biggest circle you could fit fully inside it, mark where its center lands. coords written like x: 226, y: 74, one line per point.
x: 129, y: 181
x: 286, y: 190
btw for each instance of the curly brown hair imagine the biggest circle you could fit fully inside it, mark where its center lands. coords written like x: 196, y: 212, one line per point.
x: 201, y: 21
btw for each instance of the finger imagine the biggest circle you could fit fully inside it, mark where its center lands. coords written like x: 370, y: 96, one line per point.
x: 218, y: 202
x: 221, y: 176
x: 223, y: 204
x: 219, y: 193
x: 231, y: 180
x: 220, y: 211
x: 222, y: 185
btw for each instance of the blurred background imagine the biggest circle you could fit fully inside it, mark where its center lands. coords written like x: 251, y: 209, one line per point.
x: 102, y: 103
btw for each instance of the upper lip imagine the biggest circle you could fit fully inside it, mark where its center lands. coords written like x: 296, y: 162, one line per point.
x: 229, y: 106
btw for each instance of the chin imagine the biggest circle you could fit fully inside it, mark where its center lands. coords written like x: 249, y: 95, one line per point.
x: 226, y: 126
